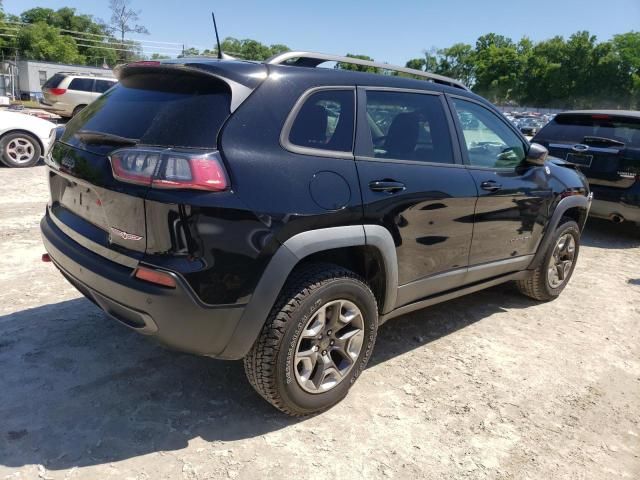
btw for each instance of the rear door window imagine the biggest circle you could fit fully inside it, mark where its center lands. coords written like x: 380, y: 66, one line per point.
x: 158, y: 109
x: 81, y: 84
x: 408, y: 126
x: 325, y: 121
x: 102, y: 86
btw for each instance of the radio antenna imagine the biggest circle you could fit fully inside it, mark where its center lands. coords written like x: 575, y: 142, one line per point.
x: 215, y: 27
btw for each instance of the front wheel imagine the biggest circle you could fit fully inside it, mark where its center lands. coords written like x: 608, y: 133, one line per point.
x: 552, y: 275
x: 316, y: 341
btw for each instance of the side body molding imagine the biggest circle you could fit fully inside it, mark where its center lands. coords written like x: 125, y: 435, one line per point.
x: 288, y: 256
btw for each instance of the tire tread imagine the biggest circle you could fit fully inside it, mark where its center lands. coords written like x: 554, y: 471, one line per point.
x: 261, y: 362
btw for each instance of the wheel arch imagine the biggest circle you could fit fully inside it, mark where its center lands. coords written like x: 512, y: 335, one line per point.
x: 575, y: 207
x: 346, y: 246
x: 21, y: 130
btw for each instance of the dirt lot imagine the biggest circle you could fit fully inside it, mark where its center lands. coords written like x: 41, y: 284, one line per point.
x: 487, y: 386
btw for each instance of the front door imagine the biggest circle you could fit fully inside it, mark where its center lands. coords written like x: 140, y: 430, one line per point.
x: 514, y: 196
x: 413, y: 182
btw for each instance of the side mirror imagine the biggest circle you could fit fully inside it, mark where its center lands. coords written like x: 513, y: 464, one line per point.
x: 537, y: 154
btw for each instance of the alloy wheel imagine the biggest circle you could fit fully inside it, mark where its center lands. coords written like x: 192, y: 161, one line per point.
x: 329, y: 346
x: 20, y: 150
x: 561, y: 261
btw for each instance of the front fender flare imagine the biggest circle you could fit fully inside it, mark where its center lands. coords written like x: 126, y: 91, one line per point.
x: 565, y: 204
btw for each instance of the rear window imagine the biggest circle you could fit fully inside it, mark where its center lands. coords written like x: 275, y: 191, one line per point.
x: 325, y: 121
x: 574, y: 129
x: 54, y: 81
x: 81, y: 84
x: 159, y: 109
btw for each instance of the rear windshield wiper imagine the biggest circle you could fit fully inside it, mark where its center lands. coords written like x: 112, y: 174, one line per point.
x: 90, y: 137
x: 603, y: 140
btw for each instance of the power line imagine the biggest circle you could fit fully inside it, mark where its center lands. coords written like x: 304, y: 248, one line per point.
x: 96, y: 34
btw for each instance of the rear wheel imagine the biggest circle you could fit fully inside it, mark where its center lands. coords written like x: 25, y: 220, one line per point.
x: 77, y: 110
x: 19, y: 149
x: 551, y: 277
x: 316, y: 341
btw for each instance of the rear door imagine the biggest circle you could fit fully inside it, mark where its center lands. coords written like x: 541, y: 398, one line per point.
x: 80, y: 91
x: 145, y: 110
x: 413, y: 182
x: 514, y: 196
x: 605, y: 147
x: 101, y: 86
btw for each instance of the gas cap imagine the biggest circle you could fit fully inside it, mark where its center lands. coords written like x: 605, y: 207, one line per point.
x: 329, y: 190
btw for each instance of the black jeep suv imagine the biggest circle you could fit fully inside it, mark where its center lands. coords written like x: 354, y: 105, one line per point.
x: 605, y: 145
x: 280, y: 213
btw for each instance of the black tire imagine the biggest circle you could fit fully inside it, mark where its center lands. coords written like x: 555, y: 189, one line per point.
x: 270, y: 363
x: 20, y: 150
x: 537, y: 285
x: 77, y: 110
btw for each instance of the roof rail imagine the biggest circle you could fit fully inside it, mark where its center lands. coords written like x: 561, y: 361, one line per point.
x: 106, y: 74
x: 313, y: 59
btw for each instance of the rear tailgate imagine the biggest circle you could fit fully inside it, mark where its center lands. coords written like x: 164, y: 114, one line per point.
x: 605, y: 147
x: 93, y: 209
x: 158, y: 108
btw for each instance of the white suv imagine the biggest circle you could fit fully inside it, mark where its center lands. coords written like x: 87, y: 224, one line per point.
x: 68, y: 93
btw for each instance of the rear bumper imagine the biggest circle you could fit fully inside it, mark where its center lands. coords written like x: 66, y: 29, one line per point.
x: 611, y: 202
x: 61, y: 108
x: 608, y: 210
x: 175, y: 317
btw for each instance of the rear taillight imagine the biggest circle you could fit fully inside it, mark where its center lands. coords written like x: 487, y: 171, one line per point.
x: 167, y: 168
x: 57, y: 91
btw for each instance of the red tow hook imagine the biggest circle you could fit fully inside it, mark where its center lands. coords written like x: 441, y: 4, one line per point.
x: 46, y: 257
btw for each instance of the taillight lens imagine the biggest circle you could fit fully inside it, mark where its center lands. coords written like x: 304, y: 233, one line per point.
x: 57, y: 91
x: 167, y: 168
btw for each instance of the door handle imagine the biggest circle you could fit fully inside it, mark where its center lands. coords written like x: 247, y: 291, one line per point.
x: 490, y: 186
x: 389, y: 186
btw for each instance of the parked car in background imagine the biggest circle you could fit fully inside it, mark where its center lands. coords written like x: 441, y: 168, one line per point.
x: 24, y: 139
x: 605, y: 145
x: 280, y: 213
x: 69, y: 93
x: 530, y: 126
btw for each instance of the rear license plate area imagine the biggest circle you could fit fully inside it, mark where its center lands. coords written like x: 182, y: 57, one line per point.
x: 580, y: 159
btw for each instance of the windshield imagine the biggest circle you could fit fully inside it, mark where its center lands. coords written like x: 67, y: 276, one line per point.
x: 159, y: 109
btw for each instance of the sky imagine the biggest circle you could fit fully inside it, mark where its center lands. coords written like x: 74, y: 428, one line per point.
x: 389, y: 31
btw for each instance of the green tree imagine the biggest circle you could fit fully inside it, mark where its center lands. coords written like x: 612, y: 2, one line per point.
x: 91, y: 36
x: 626, y: 48
x: 248, y: 49
x: 357, y: 68
x: 457, y: 62
x: 496, y: 68
x: 40, y: 41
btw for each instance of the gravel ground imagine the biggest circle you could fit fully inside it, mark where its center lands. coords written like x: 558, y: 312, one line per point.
x: 487, y: 386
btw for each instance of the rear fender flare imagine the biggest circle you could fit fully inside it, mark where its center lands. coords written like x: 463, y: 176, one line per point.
x: 288, y: 256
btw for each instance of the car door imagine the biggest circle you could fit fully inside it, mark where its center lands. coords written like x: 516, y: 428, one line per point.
x: 513, y: 195
x: 81, y: 90
x: 413, y: 182
x: 101, y: 86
